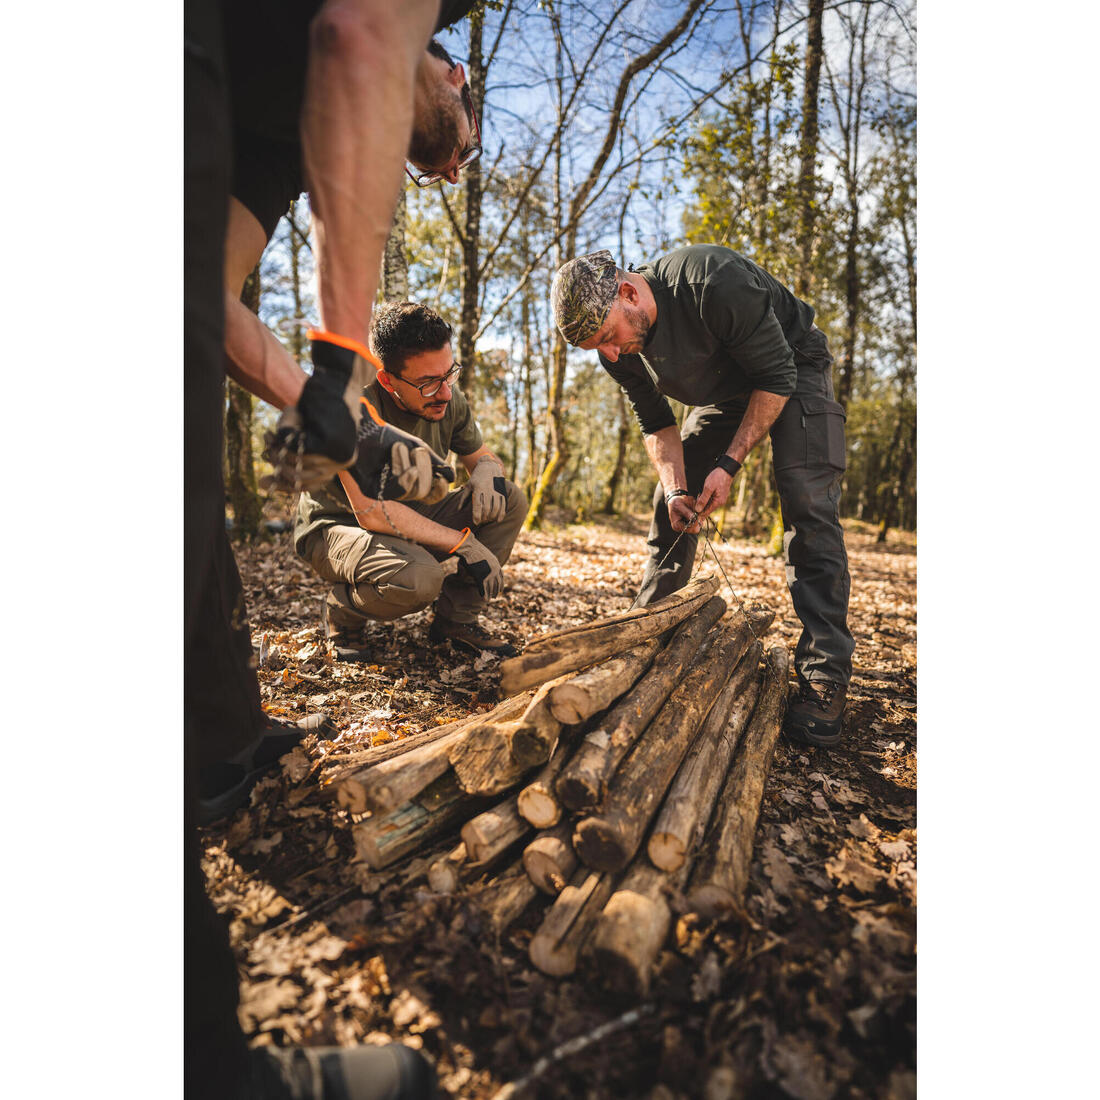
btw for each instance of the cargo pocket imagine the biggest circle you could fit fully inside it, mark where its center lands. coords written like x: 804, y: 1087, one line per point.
x: 809, y: 432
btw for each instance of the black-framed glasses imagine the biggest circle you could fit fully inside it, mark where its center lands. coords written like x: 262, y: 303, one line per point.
x: 473, y: 150
x: 433, y: 385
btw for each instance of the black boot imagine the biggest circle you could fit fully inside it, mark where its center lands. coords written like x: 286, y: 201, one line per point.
x: 816, y: 713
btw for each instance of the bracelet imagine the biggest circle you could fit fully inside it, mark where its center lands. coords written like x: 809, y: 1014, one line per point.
x: 730, y: 465
x: 465, y: 536
x: 673, y: 493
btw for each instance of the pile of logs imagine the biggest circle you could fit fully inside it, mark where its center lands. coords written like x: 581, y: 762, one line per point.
x: 625, y: 767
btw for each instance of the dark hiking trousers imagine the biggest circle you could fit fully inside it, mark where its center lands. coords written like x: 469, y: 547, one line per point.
x: 809, y: 461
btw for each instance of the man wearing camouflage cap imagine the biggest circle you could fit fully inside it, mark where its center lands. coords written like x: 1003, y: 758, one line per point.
x: 708, y: 327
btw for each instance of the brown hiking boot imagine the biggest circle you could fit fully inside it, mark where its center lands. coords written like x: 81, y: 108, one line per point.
x: 345, y: 630
x: 816, y: 713
x: 470, y: 636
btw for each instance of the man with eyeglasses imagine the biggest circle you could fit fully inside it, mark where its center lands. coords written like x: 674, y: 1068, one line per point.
x: 387, y: 559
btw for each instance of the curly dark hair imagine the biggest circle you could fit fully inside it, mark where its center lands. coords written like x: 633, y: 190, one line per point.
x: 401, y: 329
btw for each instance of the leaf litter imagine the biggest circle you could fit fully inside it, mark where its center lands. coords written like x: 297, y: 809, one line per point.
x: 811, y: 994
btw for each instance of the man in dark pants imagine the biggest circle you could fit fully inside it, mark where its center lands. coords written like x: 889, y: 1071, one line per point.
x: 227, y: 737
x: 708, y: 327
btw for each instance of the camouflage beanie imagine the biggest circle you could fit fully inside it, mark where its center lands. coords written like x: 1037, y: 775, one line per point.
x: 582, y: 294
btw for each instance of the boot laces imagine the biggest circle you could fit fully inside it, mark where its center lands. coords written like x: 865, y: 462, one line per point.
x: 820, y: 692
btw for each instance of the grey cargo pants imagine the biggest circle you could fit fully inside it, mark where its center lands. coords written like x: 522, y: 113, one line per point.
x: 809, y: 462
x: 383, y: 577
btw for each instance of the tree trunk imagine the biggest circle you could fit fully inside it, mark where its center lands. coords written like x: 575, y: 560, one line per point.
x: 240, y: 482
x: 550, y: 860
x: 470, y: 239
x: 721, y: 872
x: 683, y: 818
x: 395, y: 261
x: 616, y: 477
x: 808, y: 150
x: 438, y: 808
x: 557, y: 944
x: 567, y: 650
x: 607, y: 841
x: 583, y: 781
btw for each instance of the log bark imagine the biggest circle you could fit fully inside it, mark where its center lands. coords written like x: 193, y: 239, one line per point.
x: 386, y: 838
x: 445, y: 874
x: 382, y: 787
x: 556, y: 946
x: 550, y: 860
x: 583, y: 782
x: 607, y: 841
x: 597, y: 688
x: 493, y: 831
x: 632, y: 928
x: 721, y: 872
x: 555, y: 654
x: 690, y: 800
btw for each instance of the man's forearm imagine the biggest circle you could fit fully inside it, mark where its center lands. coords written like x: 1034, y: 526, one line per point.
x: 666, y: 452
x: 762, y: 412
x: 356, y: 121
x: 257, y: 360
x: 391, y: 517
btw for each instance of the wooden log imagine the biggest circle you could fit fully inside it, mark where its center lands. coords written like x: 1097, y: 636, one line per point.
x: 595, y: 689
x: 630, y: 931
x: 557, y: 944
x: 688, y: 804
x: 383, y: 787
x: 553, y: 655
x: 505, y: 900
x: 583, y: 781
x: 445, y: 873
x: 386, y: 838
x: 721, y: 872
x: 494, y: 831
x: 538, y: 802
x: 493, y: 756
x: 607, y: 841
x: 550, y: 860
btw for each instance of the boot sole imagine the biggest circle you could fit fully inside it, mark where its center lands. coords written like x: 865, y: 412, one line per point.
x: 823, y: 736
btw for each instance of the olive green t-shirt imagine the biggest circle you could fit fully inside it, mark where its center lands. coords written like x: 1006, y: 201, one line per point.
x: 458, y: 431
x: 724, y: 327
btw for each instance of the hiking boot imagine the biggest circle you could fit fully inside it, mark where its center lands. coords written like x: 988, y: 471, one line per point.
x: 816, y: 713
x: 345, y: 630
x: 390, y: 1072
x: 224, y: 785
x: 472, y: 637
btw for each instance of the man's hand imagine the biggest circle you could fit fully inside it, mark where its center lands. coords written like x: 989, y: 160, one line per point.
x: 487, y: 499
x: 316, y: 438
x: 413, y: 471
x: 478, y: 564
x: 681, y: 511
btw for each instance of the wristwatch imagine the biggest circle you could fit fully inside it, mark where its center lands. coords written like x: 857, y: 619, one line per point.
x: 730, y: 465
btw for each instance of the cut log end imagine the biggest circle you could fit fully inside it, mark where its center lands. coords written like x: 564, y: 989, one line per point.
x: 598, y: 844
x: 549, y: 862
x: 539, y: 807
x: 627, y: 940
x: 579, y: 793
x: 666, y: 851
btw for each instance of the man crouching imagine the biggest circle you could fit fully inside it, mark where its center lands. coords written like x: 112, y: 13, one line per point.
x: 386, y: 559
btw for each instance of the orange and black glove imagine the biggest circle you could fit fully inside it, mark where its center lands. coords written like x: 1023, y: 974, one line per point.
x: 394, y: 465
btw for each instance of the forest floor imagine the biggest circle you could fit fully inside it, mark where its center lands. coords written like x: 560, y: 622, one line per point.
x: 813, y: 996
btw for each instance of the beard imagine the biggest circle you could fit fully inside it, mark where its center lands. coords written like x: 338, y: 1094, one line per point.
x: 639, y: 327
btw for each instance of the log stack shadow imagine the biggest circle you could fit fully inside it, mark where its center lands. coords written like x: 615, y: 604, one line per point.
x: 624, y: 773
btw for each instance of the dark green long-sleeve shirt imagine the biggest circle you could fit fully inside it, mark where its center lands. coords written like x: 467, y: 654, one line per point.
x: 724, y: 327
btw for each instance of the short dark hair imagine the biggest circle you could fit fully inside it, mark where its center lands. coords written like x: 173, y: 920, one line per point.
x: 401, y: 329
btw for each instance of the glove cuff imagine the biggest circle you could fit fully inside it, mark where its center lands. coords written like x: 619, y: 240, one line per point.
x: 466, y: 533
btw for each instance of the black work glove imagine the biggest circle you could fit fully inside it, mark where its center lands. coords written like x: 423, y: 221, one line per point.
x: 478, y: 565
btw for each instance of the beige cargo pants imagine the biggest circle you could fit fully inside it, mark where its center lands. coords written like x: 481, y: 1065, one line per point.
x: 383, y: 577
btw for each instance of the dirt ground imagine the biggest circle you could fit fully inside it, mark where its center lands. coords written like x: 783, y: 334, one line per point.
x: 812, y: 997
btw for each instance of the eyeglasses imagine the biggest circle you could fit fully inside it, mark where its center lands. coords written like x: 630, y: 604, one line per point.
x: 433, y: 385
x: 473, y: 150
